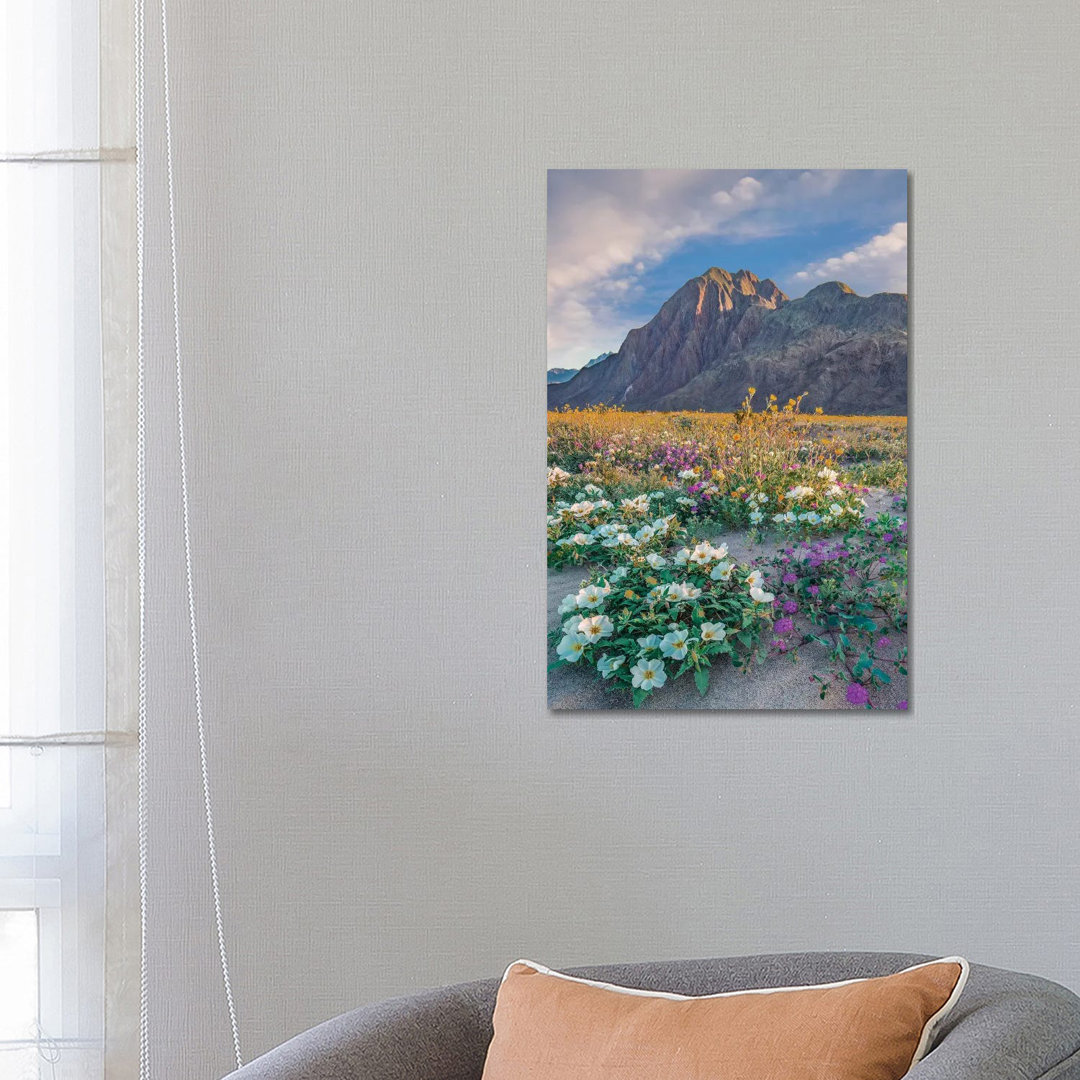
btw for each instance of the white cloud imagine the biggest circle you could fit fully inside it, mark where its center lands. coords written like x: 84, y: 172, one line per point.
x: 609, y: 228
x: 602, y: 236
x: 879, y: 265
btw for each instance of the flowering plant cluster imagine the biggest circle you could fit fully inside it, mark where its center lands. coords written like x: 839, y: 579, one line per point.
x: 770, y: 450
x: 593, y: 528
x: 820, y: 503
x: 848, y: 595
x: 655, y: 618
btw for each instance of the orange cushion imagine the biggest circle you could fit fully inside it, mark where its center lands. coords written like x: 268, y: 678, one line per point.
x: 550, y: 1026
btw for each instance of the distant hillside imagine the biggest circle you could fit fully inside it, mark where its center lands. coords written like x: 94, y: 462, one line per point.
x: 561, y: 374
x: 565, y: 374
x: 723, y: 332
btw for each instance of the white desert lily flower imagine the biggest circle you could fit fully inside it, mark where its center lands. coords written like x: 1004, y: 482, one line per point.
x: 673, y: 593
x: 620, y: 573
x: 648, y: 674
x: 761, y: 596
x: 754, y: 579
x: 571, y: 647
x: 556, y: 476
x: 690, y: 592
x: 607, y: 666
x: 656, y: 593
x: 756, y: 517
x: 592, y: 596
x: 582, y: 509
x: 568, y: 603
x: 712, y: 631
x: 681, y: 556
x: 676, y: 644
x: 656, y: 561
x: 722, y: 571
x: 704, y: 553
x: 595, y: 627
x: 648, y: 644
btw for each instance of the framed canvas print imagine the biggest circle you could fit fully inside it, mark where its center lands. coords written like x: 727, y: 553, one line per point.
x: 727, y: 439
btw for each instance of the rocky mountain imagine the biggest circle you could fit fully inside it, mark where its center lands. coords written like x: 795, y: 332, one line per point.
x: 599, y: 359
x: 721, y: 333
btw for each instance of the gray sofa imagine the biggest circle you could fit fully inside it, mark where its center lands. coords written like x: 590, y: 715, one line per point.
x: 1006, y: 1026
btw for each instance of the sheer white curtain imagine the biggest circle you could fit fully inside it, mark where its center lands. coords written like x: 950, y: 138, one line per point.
x: 52, y: 544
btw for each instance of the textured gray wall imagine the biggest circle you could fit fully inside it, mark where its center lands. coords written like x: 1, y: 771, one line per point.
x: 361, y: 207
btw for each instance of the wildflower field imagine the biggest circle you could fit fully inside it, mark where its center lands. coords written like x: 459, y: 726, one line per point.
x: 699, y: 547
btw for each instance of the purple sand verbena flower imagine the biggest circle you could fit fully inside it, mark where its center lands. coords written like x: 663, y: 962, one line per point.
x: 813, y: 590
x: 902, y: 705
x: 784, y: 626
x: 790, y: 579
x: 856, y: 694
x: 790, y: 607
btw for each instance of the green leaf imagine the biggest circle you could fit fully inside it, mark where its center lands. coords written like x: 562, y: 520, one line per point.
x: 557, y: 663
x: 639, y: 698
x: 879, y: 674
x: 701, y: 677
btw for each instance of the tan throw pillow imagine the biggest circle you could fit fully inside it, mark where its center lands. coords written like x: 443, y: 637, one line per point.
x: 550, y: 1026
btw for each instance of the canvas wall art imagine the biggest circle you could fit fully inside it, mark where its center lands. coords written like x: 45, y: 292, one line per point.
x: 727, y: 439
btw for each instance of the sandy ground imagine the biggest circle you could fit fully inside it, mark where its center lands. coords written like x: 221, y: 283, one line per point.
x: 778, y: 684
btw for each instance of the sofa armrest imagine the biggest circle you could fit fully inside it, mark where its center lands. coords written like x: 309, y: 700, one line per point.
x: 438, y: 1035
x: 1007, y: 1026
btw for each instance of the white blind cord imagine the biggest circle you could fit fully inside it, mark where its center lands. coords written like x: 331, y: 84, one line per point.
x: 140, y: 455
x: 140, y: 200
x: 211, y: 847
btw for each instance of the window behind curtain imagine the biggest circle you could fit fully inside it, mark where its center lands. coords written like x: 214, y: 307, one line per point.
x: 52, y: 869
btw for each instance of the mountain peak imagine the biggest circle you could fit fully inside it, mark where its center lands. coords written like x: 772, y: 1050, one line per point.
x: 720, y: 274
x: 832, y: 288
x: 745, y: 282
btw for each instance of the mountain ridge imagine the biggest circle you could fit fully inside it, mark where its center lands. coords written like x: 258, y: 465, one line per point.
x: 721, y: 332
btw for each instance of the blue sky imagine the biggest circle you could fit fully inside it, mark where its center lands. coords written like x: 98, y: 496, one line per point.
x: 621, y: 241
